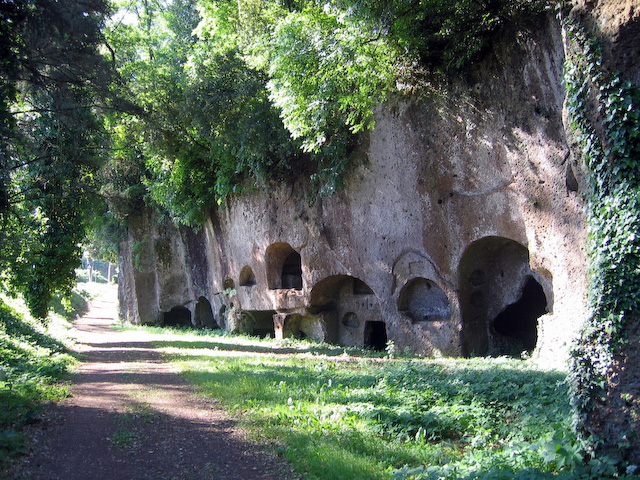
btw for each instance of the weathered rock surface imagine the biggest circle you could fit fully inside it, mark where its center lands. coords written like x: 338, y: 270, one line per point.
x: 463, y: 234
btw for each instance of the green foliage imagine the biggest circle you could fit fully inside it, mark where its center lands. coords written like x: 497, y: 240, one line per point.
x: 327, y: 72
x: 236, y: 94
x: 444, y: 36
x: 237, y: 136
x: 611, y: 150
x: 123, y: 438
x: 104, y: 234
x: 72, y: 305
x: 52, y: 143
x: 206, y: 128
x: 141, y: 252
x: 331, y: 63
x: 31, y: 365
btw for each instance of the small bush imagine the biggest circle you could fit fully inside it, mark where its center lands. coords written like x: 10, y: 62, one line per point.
x: 72, y: 305
x: 82, y: 275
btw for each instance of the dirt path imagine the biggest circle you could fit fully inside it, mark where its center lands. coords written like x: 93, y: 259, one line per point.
x: 132, y: 418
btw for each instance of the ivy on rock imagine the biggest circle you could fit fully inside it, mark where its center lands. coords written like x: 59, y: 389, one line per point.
x: 604, y: 113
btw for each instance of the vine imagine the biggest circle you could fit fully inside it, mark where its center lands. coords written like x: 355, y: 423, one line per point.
x: 604, y: 115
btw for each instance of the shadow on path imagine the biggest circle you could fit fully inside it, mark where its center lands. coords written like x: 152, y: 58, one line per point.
x: 131, y: 417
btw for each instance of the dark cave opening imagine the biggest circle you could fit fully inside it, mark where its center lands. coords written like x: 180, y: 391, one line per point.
x: 177, y: 317
x: 375, y: 335
x: 518, y: 322
x: 247, y: 278
x: 292, y: 271
x: 203, y: 314
x: 260, y: 323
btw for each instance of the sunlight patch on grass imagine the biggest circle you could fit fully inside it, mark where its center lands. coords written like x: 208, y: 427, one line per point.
x: 219, y: 341
x: 354, y: 415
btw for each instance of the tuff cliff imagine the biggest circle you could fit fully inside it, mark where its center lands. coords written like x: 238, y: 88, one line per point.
x: 463, y: 233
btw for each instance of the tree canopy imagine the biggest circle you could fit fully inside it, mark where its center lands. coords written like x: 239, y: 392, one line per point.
x: 108, y: 106
x: 51, y: 140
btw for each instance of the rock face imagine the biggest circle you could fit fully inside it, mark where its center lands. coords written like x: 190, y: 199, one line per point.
x: 463, y: 234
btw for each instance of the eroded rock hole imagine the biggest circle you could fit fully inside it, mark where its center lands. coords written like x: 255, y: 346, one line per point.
x: 424, y: 301
x: 571, y: 181
x: 518, y: 322
x: 350, y: 320
x: 177, y: 317
x: 375, y: 335
x: 247, y: 278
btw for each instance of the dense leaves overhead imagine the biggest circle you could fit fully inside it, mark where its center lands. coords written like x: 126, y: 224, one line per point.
x: 239, y: 93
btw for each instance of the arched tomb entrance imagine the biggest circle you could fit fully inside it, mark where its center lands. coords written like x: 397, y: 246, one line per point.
x: 203, y: 315
x: 350, y: 310
x: 247, y: 278
x: 500, y: 298
x: 253, y: 322
x: 284, y: 267
x: 296, y: 325
x: 177, y: 317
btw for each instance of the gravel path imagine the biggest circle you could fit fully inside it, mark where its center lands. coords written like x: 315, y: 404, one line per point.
x: 131, y: 417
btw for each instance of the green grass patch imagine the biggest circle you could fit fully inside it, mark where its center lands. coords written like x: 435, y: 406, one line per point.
x: 223, y: 340
x: 32, y: 363
x: 72, y: 305
x: 350, y: 415
x: 123, y: 438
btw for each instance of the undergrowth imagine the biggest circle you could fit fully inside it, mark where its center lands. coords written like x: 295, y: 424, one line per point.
x: 32, y: 363
x: 356, y: 416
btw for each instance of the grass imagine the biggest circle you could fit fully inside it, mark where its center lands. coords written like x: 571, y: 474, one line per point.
x: 138, y: 412
x: 352, y: 415
x: 368, y: 419
x: 123, y: 438
x: 33, y: 361
x: 126, y: 435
